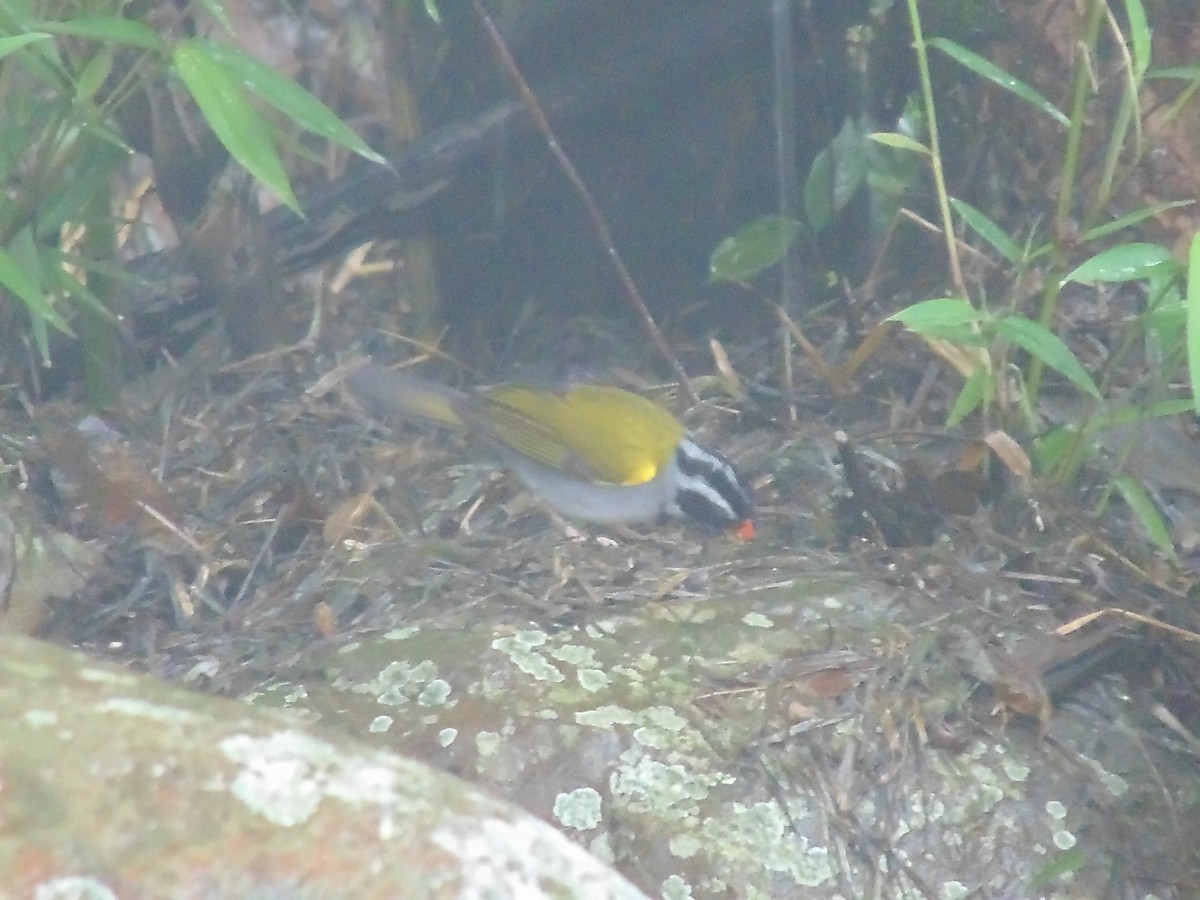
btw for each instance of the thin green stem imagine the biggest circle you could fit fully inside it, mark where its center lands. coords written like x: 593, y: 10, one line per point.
x: 1081, y: 90
x: 1127, y: 121
x: 939, y: 176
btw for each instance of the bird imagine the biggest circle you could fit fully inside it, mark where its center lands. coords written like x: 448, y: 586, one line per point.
x: 594, y: 452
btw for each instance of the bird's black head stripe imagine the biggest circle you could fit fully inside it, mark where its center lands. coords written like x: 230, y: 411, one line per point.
x: 709, y: 488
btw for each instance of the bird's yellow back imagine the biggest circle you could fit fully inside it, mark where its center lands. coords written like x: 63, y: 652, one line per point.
x: 605, y: 433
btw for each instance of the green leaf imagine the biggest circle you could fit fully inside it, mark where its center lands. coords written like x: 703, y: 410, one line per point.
x: 835, y: 176
x: 19, y: 273
x: 290, y: 98
x: 948, y: 318
x: 1193, y: 318
x: 1166, y: 328
x: 1177, y: 73
x: 1139, y: 38
x: 851, y: 164
x: 899, y: 141
x: 95, y: 72
x: 1134, y: 493
x: 66, y: 282
x: 973, y: 392
x: 754, y: 247
x: 818, y: 190
x: 1050, y: 448
x: 996, y: 75
x: 1130, y: 219
x: 1128, y: 262
x: 893, y: 169
x: 109, y: 29
x: 988, y: 230
x: 939, y: 313
x: 12, y: 43
x: 45, y: 63
x: 242, y: 130
x: 1159, y: 409
x: 1064, y: 863
x: 90, y: 177
x: 1042, y: 343
x: 220, y: 14
x: 431, y: 10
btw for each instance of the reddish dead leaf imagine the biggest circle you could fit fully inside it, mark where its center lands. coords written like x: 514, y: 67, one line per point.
x: 1023, y: 696
x: 829, y: 683
x: 347, y: 516
x: 975, y: 455
x: 108, y: 487
x: 324, y: 621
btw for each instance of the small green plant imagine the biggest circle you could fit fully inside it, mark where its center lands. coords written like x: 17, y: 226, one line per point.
x: 1001, y: 348
x: 66, y: 70
x: 837, y: 174
x: 1168, y: 329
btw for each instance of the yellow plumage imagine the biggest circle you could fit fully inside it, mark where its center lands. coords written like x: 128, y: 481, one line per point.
x: 607, y: 433
x: 592, y: 452
x: 594, y: 431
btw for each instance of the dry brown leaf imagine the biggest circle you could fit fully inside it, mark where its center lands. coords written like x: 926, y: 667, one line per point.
x: 1012, y: 454
x: 346, y: 517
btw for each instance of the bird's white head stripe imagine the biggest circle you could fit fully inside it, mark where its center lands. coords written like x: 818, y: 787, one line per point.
x: 707, y: 488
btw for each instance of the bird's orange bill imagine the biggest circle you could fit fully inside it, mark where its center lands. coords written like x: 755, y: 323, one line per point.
x: 746, y: 531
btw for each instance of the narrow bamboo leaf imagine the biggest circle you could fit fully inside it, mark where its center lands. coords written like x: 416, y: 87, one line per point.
x: 939, y: 313
x: 290, y: 98
x: 91, y: 176
x: 95, y: 72
x: 973, y: 392
x: 899, y: 141
x: 65, y: 282
x: 18, y: 273
x: 1179, y: 73
x: 754, y: 247
x: 1159, y: 409
x: 1130, y: 219
x: 996, y: 75
x: 1042, y: 343
x: 103, y: 268
x: 15, y: 275
x: 14, y: 42
x: 1134, y: 493
x: 988, y: 230
x: 111, y: 29
x: 45, y: 62
x: 1166, y: 328
x: 1051, y: 447
x: 1193, y: 318
x: 1139, y: 38
x: 1128, y: 262
x: 239, y: 127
